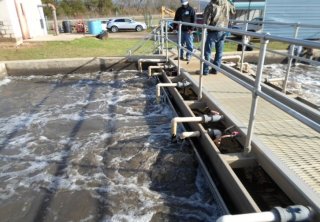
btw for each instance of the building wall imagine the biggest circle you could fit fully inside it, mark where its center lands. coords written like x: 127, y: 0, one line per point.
x: 9, y: 23
x: 10, y: 29
x: 35, y: 17
x: 293, y: 11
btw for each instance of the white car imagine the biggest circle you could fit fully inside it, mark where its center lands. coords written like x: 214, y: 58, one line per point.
x: 117, y: 24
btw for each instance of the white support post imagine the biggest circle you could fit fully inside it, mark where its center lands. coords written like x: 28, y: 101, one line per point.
x: 254, y: 103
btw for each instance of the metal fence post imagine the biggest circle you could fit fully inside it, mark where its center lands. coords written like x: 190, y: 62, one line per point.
x: 167, y: 45
x: 179, y: 47
x: 244, y: 41
x: 254, y: 103
x: 291, y: 53
x: 203, y: 43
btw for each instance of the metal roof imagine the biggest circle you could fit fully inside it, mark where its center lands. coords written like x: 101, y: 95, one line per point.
x: 249, y: 6
x: 293, y: 11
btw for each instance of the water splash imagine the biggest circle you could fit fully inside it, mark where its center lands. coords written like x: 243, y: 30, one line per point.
x: 99, y: 143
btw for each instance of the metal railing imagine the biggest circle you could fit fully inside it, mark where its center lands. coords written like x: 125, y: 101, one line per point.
x: 256, y: 88
x: 155, y: 35
x: 293, y: 24
x: 290, y: 55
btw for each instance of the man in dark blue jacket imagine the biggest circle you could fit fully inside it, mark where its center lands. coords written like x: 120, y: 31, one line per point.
x: 186, y: 14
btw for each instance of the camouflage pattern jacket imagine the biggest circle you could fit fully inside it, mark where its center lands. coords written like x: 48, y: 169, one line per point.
x: 217, y: 13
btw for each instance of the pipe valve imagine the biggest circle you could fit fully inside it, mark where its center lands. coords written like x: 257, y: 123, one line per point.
x: 212, y: 118
x: 183, y: 84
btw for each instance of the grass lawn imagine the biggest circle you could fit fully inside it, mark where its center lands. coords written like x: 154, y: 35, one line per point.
x: 90, y: 47
x: 85, y: 47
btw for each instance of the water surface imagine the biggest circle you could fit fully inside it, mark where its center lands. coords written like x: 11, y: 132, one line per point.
x: 94, y: 147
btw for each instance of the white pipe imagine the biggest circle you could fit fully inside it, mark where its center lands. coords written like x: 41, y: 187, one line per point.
x: 238, y: 57
x: 159, y: 85
x: 252, y: 217
x: 274, y: 79
x: 153, y: 67
x: 185, y: 135
x: 176, y: 120
x: 198, y: 119
x: 294, y: 213
x: 140, y: 61
x: 156, y: 74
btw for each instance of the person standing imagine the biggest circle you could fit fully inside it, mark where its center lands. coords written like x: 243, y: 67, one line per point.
x: 185, y: 13
x: 216, y: 14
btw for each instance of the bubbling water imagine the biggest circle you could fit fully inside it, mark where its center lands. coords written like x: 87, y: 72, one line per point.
x: 304, y: 80
x: 94, y: 147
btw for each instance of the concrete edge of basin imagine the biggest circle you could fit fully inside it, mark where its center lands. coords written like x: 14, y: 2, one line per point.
x: 70, y: 65
x: 3, y: 71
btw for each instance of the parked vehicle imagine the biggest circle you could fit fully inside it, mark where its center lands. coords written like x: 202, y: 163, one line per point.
x: 114, y: 25
x: 104, y: 24
x: 199, y: 18
x: 253, y: 25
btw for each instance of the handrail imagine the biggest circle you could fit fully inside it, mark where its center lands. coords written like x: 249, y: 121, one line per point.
x: 256, y: 88
x: 266, y: 36
x: 304, y: 25
x: 144, y: 41
x: 312, y: 62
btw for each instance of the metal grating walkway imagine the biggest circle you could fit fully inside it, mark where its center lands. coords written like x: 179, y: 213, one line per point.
x: 296, y: 146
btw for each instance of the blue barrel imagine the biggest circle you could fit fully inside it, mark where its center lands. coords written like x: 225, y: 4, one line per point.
x: 95, y: 27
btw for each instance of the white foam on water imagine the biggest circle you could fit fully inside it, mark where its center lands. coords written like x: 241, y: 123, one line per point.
x: 131, y: 217
x: 83, y: 166
x: 7, y: 192
x: 132, y: 112
x: 15, y: 122
x: 89, y: 218
x: 5, y: 81
x: 43, y: 138
x: 303, y: 79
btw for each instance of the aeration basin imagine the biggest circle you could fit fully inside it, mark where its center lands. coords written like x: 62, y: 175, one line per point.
x: 85, y: 140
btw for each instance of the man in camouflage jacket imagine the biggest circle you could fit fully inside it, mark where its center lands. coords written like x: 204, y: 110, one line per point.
x: 216, y: 14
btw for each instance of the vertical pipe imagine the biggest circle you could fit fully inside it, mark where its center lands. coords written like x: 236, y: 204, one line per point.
x: 55, y: 21
x: 291, y: 53
x: 203, y: 43
x: 159, y: 42
x: 162, y: 36
x: 244, y: 40
x: 167, y: 45
x: 254, y: 103
x: 179, y: 47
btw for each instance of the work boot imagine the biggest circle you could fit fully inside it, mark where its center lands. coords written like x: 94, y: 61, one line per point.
x: 213, y: 71
x: 198, y: 73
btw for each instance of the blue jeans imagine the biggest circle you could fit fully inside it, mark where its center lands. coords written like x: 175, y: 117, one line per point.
x: 214, y: 39
x: 186, y: 41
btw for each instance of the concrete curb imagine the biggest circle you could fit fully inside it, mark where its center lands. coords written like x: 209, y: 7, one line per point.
x: 71, y: 65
